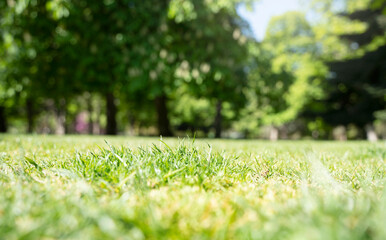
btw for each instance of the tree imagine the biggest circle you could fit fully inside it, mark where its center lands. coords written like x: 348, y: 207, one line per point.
x: 39, y: 62
x: 286, y: 70
x: 357, y: 85
x: 205, y: 30
x: 3, y: 120
x: 115, y: 44
x: 127, y: 50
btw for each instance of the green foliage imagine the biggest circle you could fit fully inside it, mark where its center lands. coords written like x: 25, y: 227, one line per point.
x: 355, y: 87
x: 380, y: 4
x: 193, y: 61
x: 287, y: 72
x: 191, y: 113
x: 334, y: 22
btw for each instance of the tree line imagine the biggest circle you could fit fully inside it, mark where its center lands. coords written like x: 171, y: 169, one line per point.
x: 171, y: 66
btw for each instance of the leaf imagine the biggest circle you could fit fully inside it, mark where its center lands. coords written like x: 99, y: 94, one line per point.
x: 33, y: 163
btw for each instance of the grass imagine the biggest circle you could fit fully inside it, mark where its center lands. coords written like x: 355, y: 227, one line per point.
x: 142, y: 188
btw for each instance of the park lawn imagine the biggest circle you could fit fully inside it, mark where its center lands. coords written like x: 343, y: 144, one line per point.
x: 79, y: 187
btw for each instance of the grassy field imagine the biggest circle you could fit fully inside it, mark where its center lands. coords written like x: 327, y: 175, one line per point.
x: 143, y: 188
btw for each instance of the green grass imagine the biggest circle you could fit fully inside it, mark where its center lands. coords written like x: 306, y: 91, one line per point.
x: 143, y: 188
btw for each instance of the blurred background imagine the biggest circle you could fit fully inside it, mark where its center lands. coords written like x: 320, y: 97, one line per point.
x: 272, y: 69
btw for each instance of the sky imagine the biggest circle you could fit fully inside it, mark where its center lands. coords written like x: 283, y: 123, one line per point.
x: 262, y: 12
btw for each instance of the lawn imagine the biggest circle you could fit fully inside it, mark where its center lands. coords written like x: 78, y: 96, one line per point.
x: 79, y: 187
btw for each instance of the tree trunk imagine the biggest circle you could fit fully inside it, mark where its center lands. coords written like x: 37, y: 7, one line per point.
x: 273, y: 133
x: 283, y: 132
x: 111, y: 112
x: 132, y: 124
x: 162, y: 114
x: 218, y: 120
x: 90, y: 111
x: 98, y: 113
x: 30, y: 115
x: 370, y: 133
x: 61, y: 117
x: 340, y: 133
x: 3, y: 120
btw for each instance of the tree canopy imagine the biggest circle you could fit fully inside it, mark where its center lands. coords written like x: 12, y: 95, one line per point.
x: 172, y: 66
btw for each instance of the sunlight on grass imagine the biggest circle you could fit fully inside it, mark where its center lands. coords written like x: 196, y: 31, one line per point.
x: 144, y: 188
